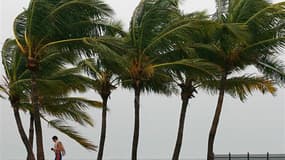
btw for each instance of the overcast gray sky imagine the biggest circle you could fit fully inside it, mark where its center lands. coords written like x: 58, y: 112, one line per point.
x: 256, y: 126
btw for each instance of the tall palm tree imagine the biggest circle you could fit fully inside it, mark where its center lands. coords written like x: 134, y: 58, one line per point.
x: 54, y: 103
x: 54, y: 25
x: 186, y: 78
x: 104, y: 83
x: 15, y: 66
x: 31, y: 131
x: 148, y: 39
x: 55, y: 84
x: 250, y: 33
x: 188, y: 81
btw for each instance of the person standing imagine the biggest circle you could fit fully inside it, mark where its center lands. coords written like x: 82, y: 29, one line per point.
x: 58, y: 148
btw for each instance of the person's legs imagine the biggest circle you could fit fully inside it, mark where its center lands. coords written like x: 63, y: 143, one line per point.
x: 58, y: 156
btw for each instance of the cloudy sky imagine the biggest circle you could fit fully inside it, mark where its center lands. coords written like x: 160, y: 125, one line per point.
x: 256, y: 126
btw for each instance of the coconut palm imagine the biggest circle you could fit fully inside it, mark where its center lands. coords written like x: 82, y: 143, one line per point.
x: 31, y: 131
x: 250, y: 33
x: 54, y: 103
x: 104, y: 83
x: 59, y: 26
x: 142, y: 66
x: 55, y: 86
x: 186, y: 78
x: 188, y: 81
x: 103, y: 79
x: 14, y: 66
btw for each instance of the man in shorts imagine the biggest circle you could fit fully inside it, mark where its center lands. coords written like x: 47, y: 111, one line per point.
x: 58, y: 148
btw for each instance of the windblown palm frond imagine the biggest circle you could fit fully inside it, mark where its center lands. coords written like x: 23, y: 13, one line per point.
x: 241, y: 10
x: 268, y: 22
x: 2, y: 89
x: 45, y: 19
x: 70, y: 132
x: 52, y: 26
x: 93, y: 67
x: 73, y: 79
x: 148, y: 19
x: 241, y: 86
x: 221, y: 9
x: 69, y: 108
x: 16, y: 73
x: 12, y: 60
x: 273, y: 68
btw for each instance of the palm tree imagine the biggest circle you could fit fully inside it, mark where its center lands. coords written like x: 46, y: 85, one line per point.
x: 55, y: 85
x: 249, y: 33
x: 31, y: 131
x: 104, y: 83
x: 186, y: 78
x: 188, y: 81
x: 142, y: 66
x: 54, y: 103
x: 14, y: 65
x: 54, y: 26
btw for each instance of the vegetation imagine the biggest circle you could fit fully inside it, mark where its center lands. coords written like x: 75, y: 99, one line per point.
x: 55, y: 102
x: 65, y: 47
x: 248, y: 33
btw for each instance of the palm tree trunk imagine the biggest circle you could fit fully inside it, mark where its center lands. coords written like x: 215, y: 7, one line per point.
x: 23, y: 134
x: 38, y: 127
x: 213, y: 130
x: 31, y: 133
x: 180, y: 129
x: 137, y: 124
x: 103, y: 128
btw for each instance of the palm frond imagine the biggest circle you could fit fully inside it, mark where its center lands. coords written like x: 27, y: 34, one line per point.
x: 45, y: 19
x: 2, y: 89
x: 52, y: 87
x: 241, y: 86
x: 70, y: 132
x: 269, y: 46
x: 148, y: 19
x: 240, y: 11
x: 196, y: 65
x: 71, y: 108
x: 16, y: 75
x: 14, y: 63
x: 273, y: 68
x: 91, y: 67
x: 19, y: 27
x: 112, y: 52
x: 68, y: 112
x: 238, y: 31
x: 268, y: 22
x: 221, y: 8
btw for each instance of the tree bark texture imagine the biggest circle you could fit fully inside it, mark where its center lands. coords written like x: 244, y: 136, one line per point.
x: 22, y: 133
x: 136, y: 124
x: 103, y: 128
x: 213, y: 130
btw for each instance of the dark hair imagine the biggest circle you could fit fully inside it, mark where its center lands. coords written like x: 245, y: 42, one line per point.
x: 54, y: 138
